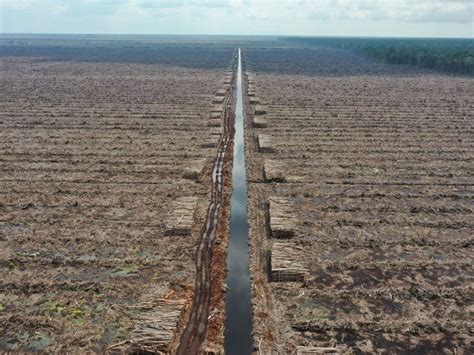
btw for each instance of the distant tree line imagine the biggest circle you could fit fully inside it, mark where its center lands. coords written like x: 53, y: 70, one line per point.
x: 446, y: 55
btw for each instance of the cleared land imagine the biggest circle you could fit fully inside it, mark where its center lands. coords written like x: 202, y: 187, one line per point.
x: 360, y: 182
x: 377, y: 165
x: 104, y: 187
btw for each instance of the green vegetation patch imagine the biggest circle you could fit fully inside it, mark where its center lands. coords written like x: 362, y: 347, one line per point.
x: 454, y: 55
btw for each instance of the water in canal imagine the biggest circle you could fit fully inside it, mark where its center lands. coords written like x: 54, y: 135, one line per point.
x: 238, y: 325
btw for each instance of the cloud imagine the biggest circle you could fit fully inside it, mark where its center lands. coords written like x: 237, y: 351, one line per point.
x: 460, y: 11
x: 362, y: 10
x: 15, y: 4
x: 349, y: 17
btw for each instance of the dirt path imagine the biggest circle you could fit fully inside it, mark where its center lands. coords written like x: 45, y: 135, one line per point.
x: 195, y: 330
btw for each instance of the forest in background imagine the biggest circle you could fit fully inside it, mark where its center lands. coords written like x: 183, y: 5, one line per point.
x: 445, y: 55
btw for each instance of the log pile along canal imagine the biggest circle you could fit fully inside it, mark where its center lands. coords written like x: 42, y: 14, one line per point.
x: 196, y: 327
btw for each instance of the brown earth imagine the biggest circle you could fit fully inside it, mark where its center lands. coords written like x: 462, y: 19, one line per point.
x: 215, y: 328
x: 382, y: 189
x: 92, y: 156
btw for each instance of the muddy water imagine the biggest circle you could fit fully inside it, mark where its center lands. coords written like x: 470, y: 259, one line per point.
x: 239, y: 316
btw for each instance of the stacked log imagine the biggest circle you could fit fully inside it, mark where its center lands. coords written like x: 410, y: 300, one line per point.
x: 274, y: 171
x: 285, y: 263
x: 194, y: 169
x: 282, y: 218
x: 265, y: 143
x: 180, y: 219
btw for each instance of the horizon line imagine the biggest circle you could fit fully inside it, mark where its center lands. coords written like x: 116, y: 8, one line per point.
x: 224, y: 35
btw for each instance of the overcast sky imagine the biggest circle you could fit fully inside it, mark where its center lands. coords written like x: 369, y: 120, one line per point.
x: 432, y: 18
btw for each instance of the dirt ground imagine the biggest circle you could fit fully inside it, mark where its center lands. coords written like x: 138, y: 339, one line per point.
x: 92, y: 156
x: 381, y: 182
x: 96, y: 142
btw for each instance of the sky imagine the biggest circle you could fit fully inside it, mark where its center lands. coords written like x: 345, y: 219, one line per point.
x: 400, y: 18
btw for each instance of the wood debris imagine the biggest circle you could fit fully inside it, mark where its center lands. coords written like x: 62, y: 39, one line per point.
x: 193, y: 170
x: 260, y: 110
x: 157, y: 324
x: 214, y: 122
x: 285, y: 263
x: 254, y: 100
x: 217, y: 108
x: 216, y: 131
x: 250, y: 79
x: 228, y: 79
x: 210, y: 142
x: 282, y: 218
x: 180, y: 219
x: 274, y: 170
x: 251, y: 90
x: 218, y: 99
x: 260, y: 122
x: 221, y: 92
x: 309, y: 350
x: 265, y: 143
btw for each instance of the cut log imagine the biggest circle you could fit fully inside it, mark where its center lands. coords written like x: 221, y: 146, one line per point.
x: 282, y: 218
x: 210, y: 142
x: 157, y: 322
x: 309, y: 350
x: 265, y: 143
x: 260, y: 122
x: 218, y: 100
x: 285, y: 263
x: 221, y: 92
x: 216, y: 131
x: 250, y: 79
x: 214, y: 122
x: 228, y: 79
x: 274, y: 171
x: 193, y: 170
x: 260, y: 110
x: 180, y: 219
x: 254, y: 100
x: 217, y: 108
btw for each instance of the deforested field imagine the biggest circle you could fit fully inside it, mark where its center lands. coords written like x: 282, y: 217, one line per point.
x: 360, y: 204
x: 105, y: 158
x: 116, y: 182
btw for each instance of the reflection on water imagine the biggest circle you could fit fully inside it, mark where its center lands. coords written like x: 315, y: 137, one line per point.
x: 239, y: 315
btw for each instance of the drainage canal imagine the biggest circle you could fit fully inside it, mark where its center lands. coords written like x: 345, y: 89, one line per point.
x: 238, y: 324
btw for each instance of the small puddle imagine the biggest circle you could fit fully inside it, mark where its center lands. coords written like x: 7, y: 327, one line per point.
x: 238, y: 325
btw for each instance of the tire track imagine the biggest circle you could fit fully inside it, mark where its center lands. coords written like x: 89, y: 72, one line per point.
x: 195, y: 330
